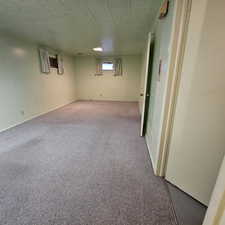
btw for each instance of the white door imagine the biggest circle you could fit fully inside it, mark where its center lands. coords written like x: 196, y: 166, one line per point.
x: 146, y: 93
x: 197, y: 144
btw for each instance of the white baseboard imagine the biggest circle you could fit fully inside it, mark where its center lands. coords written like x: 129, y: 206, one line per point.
x: 36, y: 115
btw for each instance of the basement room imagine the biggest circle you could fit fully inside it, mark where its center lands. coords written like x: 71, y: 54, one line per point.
x: 112, y: 112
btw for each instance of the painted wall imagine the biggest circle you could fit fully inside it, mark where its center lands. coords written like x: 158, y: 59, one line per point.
x: 142, y: 79
x: 215, y: 214
x: 162, y: 38
x: 107, y: 86
x: 24, y: 91
x: 198, y: 139
x: 143, y: 64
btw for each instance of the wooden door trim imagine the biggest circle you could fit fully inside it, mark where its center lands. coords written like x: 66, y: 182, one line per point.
x: 177, y: 47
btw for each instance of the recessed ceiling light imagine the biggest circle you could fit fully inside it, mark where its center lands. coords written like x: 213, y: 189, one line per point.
x: 98, y: 49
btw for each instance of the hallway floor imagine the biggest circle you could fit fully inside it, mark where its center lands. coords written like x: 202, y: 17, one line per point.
x: 83, y: 164
x: 188, y: 210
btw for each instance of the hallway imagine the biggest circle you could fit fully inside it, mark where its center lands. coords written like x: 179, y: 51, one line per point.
x: 83, y: 164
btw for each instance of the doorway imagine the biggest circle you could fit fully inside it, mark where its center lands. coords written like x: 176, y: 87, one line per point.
x: 191, y: 141
x: 162, y: 103
x: 196, y: 147
x: 147, y: 82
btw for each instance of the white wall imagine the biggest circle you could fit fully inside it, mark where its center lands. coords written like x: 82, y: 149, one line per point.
x: 144, y: 60
x: 107, y: 86
x: 142, y: 79
x: 198, y: 139
x: 162, y: 39
x: 24, y: 91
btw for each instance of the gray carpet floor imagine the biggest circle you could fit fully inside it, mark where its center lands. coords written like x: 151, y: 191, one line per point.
x: 188, y: 210
x: 83, y: 164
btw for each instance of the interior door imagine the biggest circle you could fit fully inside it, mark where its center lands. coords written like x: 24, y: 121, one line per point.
x: 146, y: 94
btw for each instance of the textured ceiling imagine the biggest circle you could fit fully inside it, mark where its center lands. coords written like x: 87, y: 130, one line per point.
x: 74, y: 26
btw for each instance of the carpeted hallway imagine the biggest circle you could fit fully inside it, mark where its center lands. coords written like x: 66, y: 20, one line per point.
x: 83, y: 164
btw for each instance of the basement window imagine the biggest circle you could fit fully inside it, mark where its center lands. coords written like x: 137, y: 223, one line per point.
x: 53, y: 62
x: 108, y: 66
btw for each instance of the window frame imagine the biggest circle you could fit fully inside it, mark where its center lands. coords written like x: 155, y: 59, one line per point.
x: 108, y: 62
x: 53, y: 61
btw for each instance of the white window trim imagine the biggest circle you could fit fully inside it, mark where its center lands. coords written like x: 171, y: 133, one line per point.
x: 110, y: 62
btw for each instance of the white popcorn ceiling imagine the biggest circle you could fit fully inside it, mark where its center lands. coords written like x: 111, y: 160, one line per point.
x: 119, y: 26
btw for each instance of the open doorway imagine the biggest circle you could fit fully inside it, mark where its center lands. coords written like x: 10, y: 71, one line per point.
x: 186, y: 25
x: 148, y: 60
x: 178, y: 136
x: 196, y: 146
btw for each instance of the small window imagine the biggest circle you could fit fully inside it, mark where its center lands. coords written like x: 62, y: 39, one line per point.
x: 53, y: 62
x: 109, y: 66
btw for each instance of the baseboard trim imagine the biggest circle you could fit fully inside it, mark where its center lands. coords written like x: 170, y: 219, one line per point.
x: 150, y: 154
x: 106, y: 100
x: 36, y: 115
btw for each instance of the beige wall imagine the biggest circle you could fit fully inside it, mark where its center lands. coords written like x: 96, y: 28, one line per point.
x: 107, y: 86
x: 24, y: 91
x: 216, y: 211
x: 198, y: 139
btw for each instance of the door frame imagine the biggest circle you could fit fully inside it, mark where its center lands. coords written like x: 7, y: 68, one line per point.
x: 214, y: 214
x: 180, y: 24
x: 147, y: 84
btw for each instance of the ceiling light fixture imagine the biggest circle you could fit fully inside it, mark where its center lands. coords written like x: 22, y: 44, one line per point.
x: 98, y: 49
